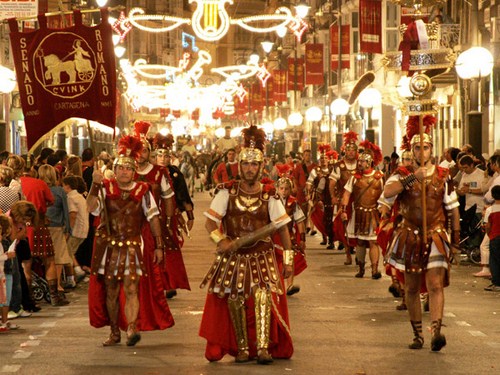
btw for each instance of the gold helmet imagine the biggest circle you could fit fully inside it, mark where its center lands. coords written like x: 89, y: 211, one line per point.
x: 253, y: 144
x: 413, y: 129
x: 162, y: 144
x: 129, y: 150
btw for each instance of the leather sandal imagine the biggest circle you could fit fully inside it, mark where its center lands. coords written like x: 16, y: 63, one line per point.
x: 418, y: 343
x: 242, y: 356
x: 111, y: 340
x: 263, y: 357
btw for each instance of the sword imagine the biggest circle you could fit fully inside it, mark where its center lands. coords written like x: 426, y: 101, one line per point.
x: 257, y: 235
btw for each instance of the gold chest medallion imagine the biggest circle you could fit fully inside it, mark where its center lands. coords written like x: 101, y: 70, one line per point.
x: 250, y: 204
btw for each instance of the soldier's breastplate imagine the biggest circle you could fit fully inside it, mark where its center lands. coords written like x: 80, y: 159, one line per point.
x: 366, y: 196
x: 345, y: 175
x: 411, y: 203
x: 125, y: 217
x: 245, y: 214
x: 290, y: 209
x: 154, y: 185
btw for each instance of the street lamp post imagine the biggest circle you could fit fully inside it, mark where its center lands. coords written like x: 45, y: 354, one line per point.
x: 313, y: 115
x: 472, y: 65
x: 368, y: 99
x: 339, y: 107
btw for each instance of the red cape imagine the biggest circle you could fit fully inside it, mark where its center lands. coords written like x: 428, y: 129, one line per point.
x: 154, y: 313
x: 217, y: 329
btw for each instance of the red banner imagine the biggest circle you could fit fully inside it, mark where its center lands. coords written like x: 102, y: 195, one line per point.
x: 370, y: 26
x: 334, y: 47
x: 314, y: 64
x: 64, y: 73
x: 279, y: 80
x: 292, y: 79
x: 257, y: 97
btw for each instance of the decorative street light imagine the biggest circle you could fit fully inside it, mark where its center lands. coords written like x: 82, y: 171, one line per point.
x: 338, y: 108
x: 7, y: 80
x: 368, y: 99
x: 295, y: 119
x: 313, y: 114
x: 302, y: 9
x: 471, y: 66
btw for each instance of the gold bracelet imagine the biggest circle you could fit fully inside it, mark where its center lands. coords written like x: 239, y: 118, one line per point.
x: 217, y: 236
x: 288, y: 257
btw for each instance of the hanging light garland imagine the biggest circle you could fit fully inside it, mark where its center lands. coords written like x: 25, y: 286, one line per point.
x: 211, y: 22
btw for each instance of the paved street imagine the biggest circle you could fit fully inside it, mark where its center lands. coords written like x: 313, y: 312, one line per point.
x: 340, y: 325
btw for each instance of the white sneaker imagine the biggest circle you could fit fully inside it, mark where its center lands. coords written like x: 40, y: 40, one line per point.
x: 12, y: 315
x: 11, y: 325
x: 23, y: 314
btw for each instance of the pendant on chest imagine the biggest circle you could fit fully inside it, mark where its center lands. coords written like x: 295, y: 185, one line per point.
x: 250, y: 204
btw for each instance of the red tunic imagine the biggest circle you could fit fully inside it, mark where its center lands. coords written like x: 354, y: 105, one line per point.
x: 300, y: 178
x: 154, y: 313
x: 299, y: 260
x: 174, y: 274
x: 216, y: 326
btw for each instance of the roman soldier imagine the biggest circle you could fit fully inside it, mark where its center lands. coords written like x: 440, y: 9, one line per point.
x: 420, y: 246
x: 245, y: 289
x: 126, y: 256
x: 300, y: 176
x: 296, y: 227
x: 176, y: 275
x: 317, y: 184
x: 362, y: 192
x: 343, y: 170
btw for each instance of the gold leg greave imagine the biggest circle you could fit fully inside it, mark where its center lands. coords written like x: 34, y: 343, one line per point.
x: 262, y: 317
x: 239, y: 319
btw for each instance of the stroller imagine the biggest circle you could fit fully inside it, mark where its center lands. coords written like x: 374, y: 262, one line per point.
x: 471, y: 235
x: 40, y: 288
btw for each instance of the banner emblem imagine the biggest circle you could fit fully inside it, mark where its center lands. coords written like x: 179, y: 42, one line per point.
x: 68, y: 76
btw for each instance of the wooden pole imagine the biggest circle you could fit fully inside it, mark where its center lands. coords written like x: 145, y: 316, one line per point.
x: 422, y: 161
x: 101, y: 190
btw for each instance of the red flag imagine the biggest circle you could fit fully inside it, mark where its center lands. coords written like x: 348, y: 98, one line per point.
x: 334, y: 47
x: 370, y: 26
x: 256, y: 97
x: 279, y: 85
x: 314, y: 64
x: 64, y: 73
x: 295, y: 80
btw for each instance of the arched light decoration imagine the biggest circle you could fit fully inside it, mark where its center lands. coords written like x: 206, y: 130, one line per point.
x: 314, y: 114
x: 295, y: 119
x: 210, y: 20
x: 254, y: 57
x: 267, y: 45
x: 280, y: 123
x: 120, y: 51
x: 339, y: 107
x: 281, y: 31
x: 7, y: 80
x: 474, y: 63
x: 403, y: 87
x: 370, y: 98
x: 302, y: 9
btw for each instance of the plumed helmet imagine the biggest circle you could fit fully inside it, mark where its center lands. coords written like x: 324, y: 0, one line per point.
x: 129, y: 150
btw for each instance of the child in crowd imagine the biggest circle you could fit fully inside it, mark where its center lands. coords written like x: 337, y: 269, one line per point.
x: 78, y: 220
x: 6, y: 259
x: 492, y: 220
